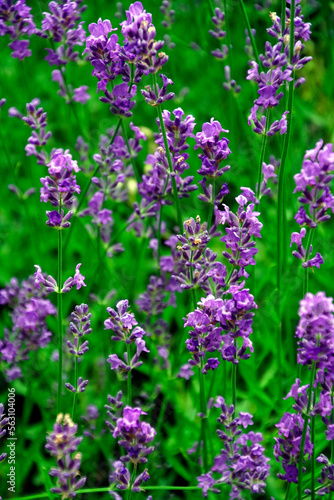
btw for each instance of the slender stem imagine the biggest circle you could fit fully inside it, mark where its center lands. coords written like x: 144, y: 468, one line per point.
x: 129, y: 386
x: 283, y: 8
x: 60, y: 319
x: 159, y: 233
x: 252, y: 39
x: 227, y: 29
x: 168, y: 155
x: 134, y: 163
x: 234, y: 386
x: 302, y: 443
x: 203, y: 420
x: 212, y: 205
x: 263, y: 152
x: 313, y: 454
x: 76, y: 376
x: 211, y: 7
x: 288, y: 491
x: 161, y: 414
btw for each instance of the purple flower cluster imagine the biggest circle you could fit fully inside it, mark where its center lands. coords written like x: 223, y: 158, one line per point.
x: 62, y: 443
x: 239, y: 231
x: 121, y: 323
x: 287, y: 447
x: 140, y: 47
x: 59, y: 187
x: 221, y: 325
x: 17, y: 21
x: 133, y: 436
x: 313, y: 182
x: 110, y: 59
x: 280, y: 66
x: 63, y: 26
x: 29, y: 312
x: 241, y: 463
x: 315, y: 330
x: 79, y: 326
x: 36, y: 120
x: 194, y: 263
x: 156, y: 185
x: 3, y: 424
x: 219, y: 33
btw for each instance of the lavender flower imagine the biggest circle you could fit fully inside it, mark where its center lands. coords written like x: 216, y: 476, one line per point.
x: 238, y: 238
x: 16, y: 21
x: 287, y: 447
x: 140, y: 47
x: 218, y: 325
x: 168, y: 13
x: 242, y: 463
x: 281, y: 66
x: 77, y: 95
x: 155, y: 97
x: 134, y: 435
x: 315, y: 329
x: 61, y: 23
x: 29, y: 331
x: 313, y: 184
x: 62, y: 443
x: 36, y: 120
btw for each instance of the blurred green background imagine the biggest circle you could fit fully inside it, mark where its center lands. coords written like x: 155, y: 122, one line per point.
x: 25, y: 239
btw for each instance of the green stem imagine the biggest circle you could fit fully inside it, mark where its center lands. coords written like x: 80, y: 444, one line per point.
x: 108, y: 488
x: 168, y: 155
x: 159, y: 233
x: 203, y: 419
x: 212, y: 205
x: 263, y: 152
x: 60, y: 319
x: 288, y: 491
x: 252, y: 39
x: 234, y: 386
x: 302, y: 443
x: 313, y: 455
x: 133, y: 160
x: 283, y: 8
x: 76, y: 374
x: 129, y: 386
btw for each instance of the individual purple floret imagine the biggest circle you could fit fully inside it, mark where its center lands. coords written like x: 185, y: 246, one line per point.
x: 219, y: 33
x: 290, y: 429
x: 140, y: 47
x: 63, y: 26
x: 29, y: 332
x: 241, y: 463
x: 36, y: 120
x: 16, y: 21
x: 315, y: 330
x: 3, y: 424
x: 120, y: 99
x: 62, y: 443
